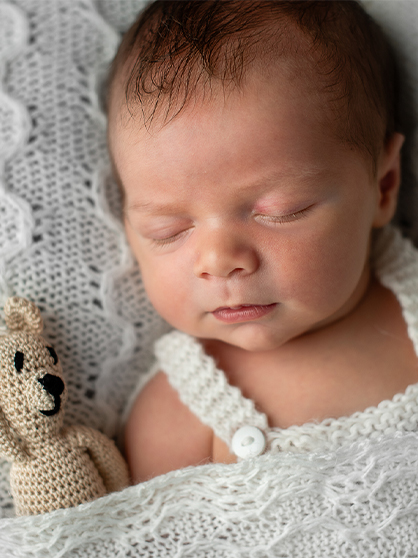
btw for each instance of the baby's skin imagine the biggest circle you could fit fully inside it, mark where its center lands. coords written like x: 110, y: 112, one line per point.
x: 251, y: 222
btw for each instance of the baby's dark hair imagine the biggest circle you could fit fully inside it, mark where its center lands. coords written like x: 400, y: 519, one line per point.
x: 176, y: 48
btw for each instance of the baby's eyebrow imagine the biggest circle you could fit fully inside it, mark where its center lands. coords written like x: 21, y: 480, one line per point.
x: 152, y: 207
x: 264, y: 183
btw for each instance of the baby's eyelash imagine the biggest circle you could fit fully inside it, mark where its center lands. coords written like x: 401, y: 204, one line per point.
x: 275, y: 219
x: 295, y: 216
x: 169, y: 240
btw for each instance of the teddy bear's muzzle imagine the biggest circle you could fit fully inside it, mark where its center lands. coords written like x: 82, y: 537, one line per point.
x: 54, y: 386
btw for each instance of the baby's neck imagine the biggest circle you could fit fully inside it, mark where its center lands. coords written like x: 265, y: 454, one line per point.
x: 343, y: 367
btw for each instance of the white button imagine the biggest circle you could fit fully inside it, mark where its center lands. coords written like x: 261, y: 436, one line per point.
x: 248, y: 441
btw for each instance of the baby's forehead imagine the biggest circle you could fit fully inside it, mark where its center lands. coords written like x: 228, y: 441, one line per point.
x: 218, y: 136
x: 258, y: 87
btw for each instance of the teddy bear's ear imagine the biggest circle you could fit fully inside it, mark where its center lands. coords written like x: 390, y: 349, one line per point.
x: 22, y: 315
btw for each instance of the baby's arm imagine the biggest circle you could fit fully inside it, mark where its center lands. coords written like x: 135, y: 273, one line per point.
x: 162, y: 434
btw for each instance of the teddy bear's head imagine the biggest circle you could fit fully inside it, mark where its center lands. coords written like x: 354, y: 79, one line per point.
x: 32, y: 390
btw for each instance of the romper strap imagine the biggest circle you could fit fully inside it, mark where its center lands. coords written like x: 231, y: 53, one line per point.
x: 204, y: 388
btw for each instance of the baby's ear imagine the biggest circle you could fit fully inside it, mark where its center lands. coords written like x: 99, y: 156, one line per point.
x: 388, y: 180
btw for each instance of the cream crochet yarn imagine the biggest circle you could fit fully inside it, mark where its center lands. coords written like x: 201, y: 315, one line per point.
x: 52, y: 467
x: 62, y: 246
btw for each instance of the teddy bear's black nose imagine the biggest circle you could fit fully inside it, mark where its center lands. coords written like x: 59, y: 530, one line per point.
x: 55, y: 386
x: 52, y: 384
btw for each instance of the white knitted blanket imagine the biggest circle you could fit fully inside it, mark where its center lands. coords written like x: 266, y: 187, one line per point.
x: 360, y: 503
x: 62, y: 245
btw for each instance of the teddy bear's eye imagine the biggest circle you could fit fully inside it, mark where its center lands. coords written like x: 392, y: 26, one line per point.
x: 54, y: 355
x: 19, y: 358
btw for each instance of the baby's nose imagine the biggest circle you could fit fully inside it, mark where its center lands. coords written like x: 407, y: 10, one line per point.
x: 222, y: 254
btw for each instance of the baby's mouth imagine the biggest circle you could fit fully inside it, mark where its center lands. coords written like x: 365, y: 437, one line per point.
x: 243, y: 313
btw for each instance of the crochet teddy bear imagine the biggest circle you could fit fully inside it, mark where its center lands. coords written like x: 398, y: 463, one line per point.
x: 52, y: 467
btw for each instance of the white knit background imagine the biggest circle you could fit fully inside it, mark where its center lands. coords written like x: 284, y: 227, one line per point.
x: 62, y: 245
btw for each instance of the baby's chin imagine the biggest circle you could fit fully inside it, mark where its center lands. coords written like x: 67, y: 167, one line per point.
x: 250, y: 337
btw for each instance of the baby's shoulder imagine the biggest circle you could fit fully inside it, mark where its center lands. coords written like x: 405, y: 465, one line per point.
x: 162, y: 434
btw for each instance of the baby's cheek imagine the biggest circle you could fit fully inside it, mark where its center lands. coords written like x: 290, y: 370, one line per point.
x: 321, y: 273
x: 168, y: 291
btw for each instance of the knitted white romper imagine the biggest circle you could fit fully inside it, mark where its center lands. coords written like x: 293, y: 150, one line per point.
x: 205, y: 390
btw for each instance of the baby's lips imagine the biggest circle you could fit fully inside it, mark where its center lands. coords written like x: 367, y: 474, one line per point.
x: 243, y: 313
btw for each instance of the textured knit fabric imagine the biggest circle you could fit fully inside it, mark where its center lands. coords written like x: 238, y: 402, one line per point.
x: 62, y: 246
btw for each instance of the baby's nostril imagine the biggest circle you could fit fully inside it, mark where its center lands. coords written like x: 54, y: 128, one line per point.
x: 52, y: 384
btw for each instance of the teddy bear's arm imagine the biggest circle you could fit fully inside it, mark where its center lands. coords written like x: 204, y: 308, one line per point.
x: 10, y: 447
x: 104, y: 454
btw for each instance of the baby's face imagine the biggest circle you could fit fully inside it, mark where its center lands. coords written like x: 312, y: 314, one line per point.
x: 250, y: 222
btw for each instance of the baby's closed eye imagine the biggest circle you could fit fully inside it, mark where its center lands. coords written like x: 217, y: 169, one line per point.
x: 160, y: 229
x: 283, y: 218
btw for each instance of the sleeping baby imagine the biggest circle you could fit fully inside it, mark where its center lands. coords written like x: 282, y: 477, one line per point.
x: 257, y: 147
